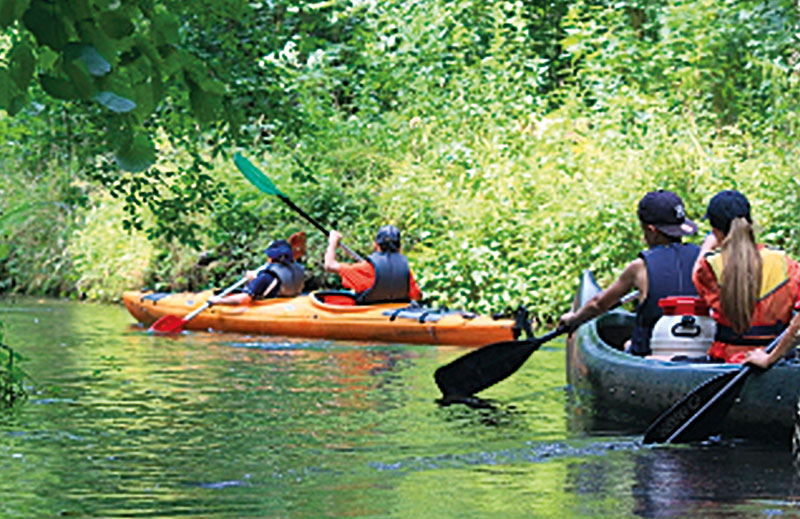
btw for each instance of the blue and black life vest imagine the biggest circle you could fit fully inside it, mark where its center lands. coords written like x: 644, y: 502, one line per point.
x: 669, y: 273
x: 392, y: 279
x: 291, y: 276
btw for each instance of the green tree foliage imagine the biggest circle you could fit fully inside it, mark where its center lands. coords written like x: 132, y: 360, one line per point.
x: 509, y: 140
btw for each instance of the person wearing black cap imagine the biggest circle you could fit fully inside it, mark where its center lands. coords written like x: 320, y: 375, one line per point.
x: 282, y: 277
x: 384, y: 276
x: 751, y: 289
x: 663, y: 269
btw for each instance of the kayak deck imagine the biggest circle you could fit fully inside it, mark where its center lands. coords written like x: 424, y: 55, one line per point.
x: 309, y: 316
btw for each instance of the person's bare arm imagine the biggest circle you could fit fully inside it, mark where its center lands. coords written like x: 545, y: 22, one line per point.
x: 233, y: 299
x: 331, y: 265
x: 789, y: 340
x: 709, y: 244
x: 631, y: 277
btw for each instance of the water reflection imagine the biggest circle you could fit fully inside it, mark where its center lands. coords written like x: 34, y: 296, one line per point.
x: 122, y: 423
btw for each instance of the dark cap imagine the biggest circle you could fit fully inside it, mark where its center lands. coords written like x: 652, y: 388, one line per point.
x: 280, y: 250
x: 388, y: 238
x: 664, y: 210
x: 724, y: 207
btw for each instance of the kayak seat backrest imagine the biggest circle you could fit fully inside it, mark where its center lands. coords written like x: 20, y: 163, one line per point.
x: 615, y: 328
x: 336, y: 297
x: 155, y: 296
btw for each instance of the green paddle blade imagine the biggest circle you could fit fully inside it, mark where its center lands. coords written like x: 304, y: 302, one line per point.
x: 255, y: 176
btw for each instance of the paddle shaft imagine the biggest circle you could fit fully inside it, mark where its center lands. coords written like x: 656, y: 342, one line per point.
x: 318, y: 225
x: 745, y: 371
x: 224, y: 293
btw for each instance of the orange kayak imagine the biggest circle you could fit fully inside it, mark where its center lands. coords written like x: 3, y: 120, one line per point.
x: 326, y: 315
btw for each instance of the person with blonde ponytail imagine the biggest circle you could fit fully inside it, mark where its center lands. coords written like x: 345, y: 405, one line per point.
x: 750, y: 288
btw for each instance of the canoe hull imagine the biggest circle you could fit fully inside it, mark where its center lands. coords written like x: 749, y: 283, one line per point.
x: 307, y: 316
x: 610, y: 388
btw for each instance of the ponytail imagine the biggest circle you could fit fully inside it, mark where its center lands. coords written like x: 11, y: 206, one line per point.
x: 740, y: 282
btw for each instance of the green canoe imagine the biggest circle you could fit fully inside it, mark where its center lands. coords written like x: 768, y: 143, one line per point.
x: 614, y: 391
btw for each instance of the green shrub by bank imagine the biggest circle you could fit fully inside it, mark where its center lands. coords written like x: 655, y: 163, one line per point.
x: 12, y: 389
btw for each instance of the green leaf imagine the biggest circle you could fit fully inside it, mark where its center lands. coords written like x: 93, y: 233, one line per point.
x: 8, y: 14
x: 205, y: 105
x: 139, y: 155
x: 22, y: 65
x: 89, y: 33
x: 58, y: 88
x: 4, y: 250
x: 114, y: 102
x: 80, y: 77
x: 95, y: 63
x: 166, y: 26
x: 80, y: 9
x: 11, y: 11
x: 5, y: 88
x: 116, y: 24
x: 145, y: 103
x: 18, y: 102
x: 46, y: 58
x: 46, y: 25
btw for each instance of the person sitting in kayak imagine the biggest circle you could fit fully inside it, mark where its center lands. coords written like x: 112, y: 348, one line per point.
x: 756, y: 301
x: 283, y: 277
x: 664, y: 269
x: 385, y: 276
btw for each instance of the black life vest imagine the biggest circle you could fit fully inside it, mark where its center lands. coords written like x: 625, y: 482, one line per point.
x: 291, y: 277
x: 669, y: 273
x: 392, y: 279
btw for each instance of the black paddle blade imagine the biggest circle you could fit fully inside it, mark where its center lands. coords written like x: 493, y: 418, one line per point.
x: 690, y: 418
x: 483, y: 367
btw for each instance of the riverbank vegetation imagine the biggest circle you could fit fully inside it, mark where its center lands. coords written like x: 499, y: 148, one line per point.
x: 510, y: 141
x: 12, y: 376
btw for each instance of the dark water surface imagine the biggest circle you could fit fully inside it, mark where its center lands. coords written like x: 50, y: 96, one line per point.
x: 208, y: 425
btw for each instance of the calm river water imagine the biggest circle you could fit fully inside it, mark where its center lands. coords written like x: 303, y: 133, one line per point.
x: 209, y: 425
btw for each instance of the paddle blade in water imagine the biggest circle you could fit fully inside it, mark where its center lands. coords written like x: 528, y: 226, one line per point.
x: 483, y: 367
x: 702, y: 423
x: 167, y: 324
x: 255, y: 176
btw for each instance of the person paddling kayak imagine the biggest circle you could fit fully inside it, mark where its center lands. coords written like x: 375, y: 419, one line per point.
x: 283, y: 277
x: 384, y: 276
x: 751, y: 289
x: 663, y: 269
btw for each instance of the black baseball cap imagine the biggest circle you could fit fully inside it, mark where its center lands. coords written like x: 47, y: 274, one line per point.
x: 664, y: 210
x: 280, y: 250
x: 724, y: 207
x: 388, y: 235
